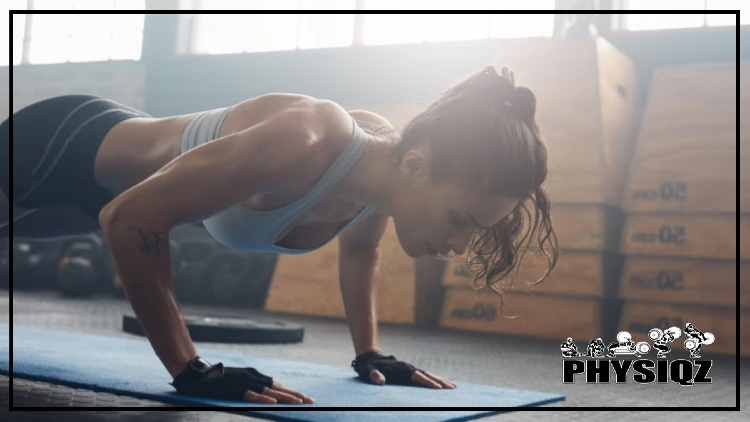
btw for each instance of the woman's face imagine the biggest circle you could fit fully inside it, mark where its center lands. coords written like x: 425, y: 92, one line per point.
x: 435, y: 218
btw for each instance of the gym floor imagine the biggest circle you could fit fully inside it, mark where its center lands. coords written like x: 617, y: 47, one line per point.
x: 514, y: 362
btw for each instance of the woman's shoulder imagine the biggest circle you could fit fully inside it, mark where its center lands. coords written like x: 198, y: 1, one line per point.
x: 340, y: 124
x: 327, y: 128
x: 369, y: 117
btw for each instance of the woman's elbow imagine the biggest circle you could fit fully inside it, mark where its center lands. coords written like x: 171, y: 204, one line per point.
x: 110, y: 214
x: 121, y: 214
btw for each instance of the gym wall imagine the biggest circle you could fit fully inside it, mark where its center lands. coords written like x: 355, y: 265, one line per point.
x: 4, y: 92
x: 122, y: 81
x: 378, y: 74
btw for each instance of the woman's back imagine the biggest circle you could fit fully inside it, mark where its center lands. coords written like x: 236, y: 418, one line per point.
x: 137, y: 148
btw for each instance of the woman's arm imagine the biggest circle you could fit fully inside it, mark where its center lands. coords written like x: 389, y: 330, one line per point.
x: 282, y: 152
x: 359, y: 259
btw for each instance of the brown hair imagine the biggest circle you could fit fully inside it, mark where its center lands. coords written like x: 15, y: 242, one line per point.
x: 482, y: 133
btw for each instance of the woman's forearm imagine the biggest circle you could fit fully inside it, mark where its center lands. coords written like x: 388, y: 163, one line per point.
x: 140, y: 250
x: 358, y: 278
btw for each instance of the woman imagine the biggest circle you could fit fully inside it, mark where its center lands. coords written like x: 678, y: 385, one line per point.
x: 285, y: 173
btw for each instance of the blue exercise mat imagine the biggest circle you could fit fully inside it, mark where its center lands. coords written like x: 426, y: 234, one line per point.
x: 130, y: 367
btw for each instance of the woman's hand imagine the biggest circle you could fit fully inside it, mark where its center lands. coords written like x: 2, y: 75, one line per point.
x: 379, y: 369
x: 278, y: 394
x: 202, y: 379
x: 422, y: 378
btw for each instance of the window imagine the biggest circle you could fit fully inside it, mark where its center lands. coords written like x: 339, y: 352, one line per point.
x: 326, y: 30
x: 19, y: 25
x: 640, y: 22
x: 82, y: 37
x: 412, y: 28
x: 224, y: 34
x: 728, y: 20
x: 523, y: 25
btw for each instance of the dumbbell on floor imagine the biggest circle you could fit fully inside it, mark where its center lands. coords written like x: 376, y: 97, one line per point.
x: 81, y: 269
x: 33, y: 264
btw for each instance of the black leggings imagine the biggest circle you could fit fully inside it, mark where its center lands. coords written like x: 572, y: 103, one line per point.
x: 55, y: 142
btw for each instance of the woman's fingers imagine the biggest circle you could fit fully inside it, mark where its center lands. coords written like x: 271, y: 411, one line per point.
x: 271, y: 396
x: 421, y: 379
x: 377, y: 378
x: 253, y: 397
x: 305, y: 399
x: 282, y: 397
x: 442, y: 381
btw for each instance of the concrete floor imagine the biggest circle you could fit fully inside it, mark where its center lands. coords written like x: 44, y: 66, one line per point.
x: 503, y: 361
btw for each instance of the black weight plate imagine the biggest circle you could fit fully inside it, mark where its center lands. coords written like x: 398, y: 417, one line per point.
x: 231, y: 329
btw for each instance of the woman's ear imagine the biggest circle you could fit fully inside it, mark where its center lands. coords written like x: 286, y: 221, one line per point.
x: 413, y: 164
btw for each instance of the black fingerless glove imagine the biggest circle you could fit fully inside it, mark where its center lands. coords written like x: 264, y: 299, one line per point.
x: 395, y: 371
x: 230, y: 384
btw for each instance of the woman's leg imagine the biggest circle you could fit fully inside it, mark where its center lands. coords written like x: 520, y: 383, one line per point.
x: 55, y: 142
x: 5, y: 203
x: 5, y: 209
x: 54, y: 221
x: 6, y: 214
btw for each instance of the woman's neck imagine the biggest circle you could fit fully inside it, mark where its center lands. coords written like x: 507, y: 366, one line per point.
x: 373, y: 179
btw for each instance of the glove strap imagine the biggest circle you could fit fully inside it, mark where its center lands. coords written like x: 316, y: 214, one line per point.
x: 193, y: 373
x: 364, y: 357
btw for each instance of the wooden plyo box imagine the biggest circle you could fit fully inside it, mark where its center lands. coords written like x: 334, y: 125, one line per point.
x: 587, y: 111
x: 685, y: 235
x: 686, y: 152
x: 543, y: 316
x: 308, y: 284
x: 640, y: 317
x: 687, y: 281
x: 577, y: 273
x: 587, y: 227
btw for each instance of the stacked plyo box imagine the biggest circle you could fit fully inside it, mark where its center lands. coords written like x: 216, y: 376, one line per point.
x: 681, y: 230
x: 575, y: 300
x: 587, y: 112
x: 308, y: 284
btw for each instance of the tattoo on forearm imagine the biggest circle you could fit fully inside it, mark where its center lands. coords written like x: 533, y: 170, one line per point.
x: 152, y: 241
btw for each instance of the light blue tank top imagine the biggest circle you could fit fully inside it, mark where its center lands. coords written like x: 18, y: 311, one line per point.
x: 239, y: 227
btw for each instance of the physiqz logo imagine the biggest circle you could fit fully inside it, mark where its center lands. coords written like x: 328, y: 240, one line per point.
x: 645, y: 371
